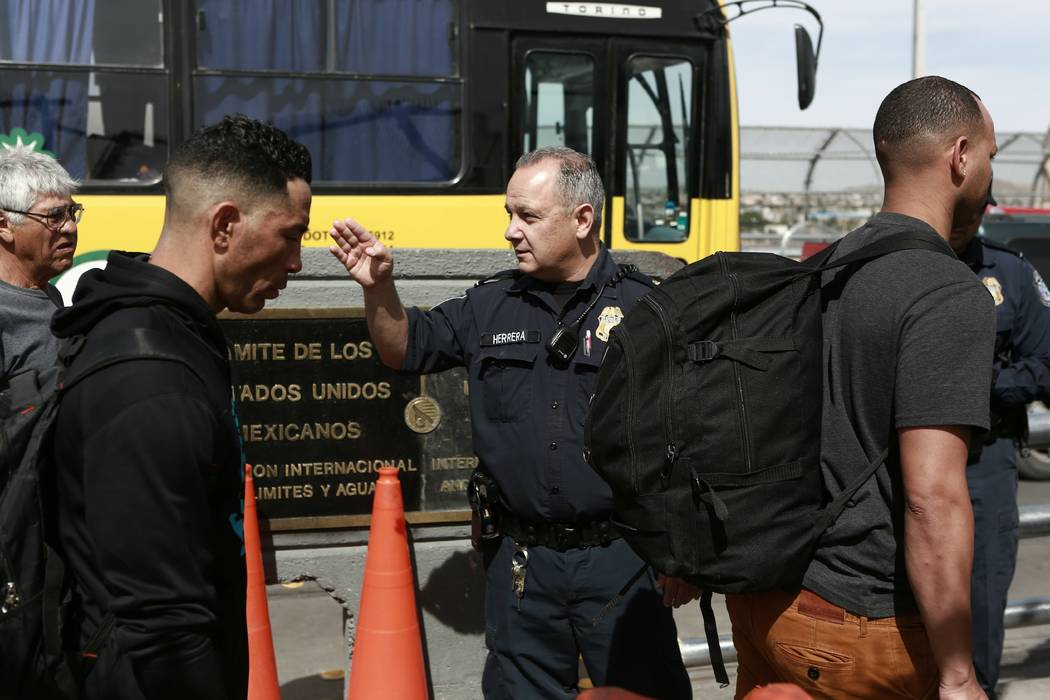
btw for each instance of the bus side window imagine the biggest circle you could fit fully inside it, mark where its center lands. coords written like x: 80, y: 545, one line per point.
x: 101, y: 124
x: 397, y: 119
x: 559, y: 101
x: 659, y: 100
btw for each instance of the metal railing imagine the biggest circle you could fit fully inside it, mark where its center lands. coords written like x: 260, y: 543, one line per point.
x: 1039, y: 430
x: 1027, y: 612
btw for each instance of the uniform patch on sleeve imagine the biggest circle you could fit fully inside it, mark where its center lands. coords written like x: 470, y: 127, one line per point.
x: 509, y: 338
x: 994, y: 288
x: 1040, y: 288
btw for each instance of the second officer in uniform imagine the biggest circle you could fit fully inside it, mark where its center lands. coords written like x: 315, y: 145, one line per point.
x: 531, y: 341
x: 1022, y: 375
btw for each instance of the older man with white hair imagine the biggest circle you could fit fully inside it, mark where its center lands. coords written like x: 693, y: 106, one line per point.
x: 38, y: 236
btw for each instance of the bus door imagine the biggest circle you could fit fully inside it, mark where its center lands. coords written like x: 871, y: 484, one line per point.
x: 558, y: 91
x: 656, y: 187
x: 630, y: 103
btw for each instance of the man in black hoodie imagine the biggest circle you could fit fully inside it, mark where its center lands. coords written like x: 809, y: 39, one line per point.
x: 149, y: 463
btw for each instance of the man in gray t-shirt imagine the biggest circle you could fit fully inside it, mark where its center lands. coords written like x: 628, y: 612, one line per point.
x: 38, y: 236
x: 923, y: 309
x: 884, y: 611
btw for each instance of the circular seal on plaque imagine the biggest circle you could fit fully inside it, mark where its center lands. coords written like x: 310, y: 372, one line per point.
x: 423, y: 414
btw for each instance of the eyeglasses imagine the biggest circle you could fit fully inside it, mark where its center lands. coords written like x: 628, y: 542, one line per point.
x: 55, y: 218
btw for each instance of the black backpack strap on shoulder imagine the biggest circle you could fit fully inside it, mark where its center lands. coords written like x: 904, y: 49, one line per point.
x: 138, y: 344
x: 821, y: 257
x: 714, y: 647
x: 54, y: 295
x: 907, y: 240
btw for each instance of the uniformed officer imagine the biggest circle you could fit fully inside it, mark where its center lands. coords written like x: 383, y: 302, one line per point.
x: 1022, y: 375
x: 531, y: 340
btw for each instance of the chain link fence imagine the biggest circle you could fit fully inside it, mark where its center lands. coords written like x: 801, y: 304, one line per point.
x: 815, y: 184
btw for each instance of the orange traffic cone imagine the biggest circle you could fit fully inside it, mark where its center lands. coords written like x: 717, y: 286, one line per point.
x: 262, y: 664
x: 388, y: 650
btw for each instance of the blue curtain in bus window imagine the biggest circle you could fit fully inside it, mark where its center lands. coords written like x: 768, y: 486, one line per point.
x: 395, y: 37
x: 51, y: 103
x: 391, y: 132
x: 282, y: 35
x: 279, y: 35
x: 292, y: 104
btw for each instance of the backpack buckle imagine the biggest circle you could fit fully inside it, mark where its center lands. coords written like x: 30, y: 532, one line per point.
x: 703, y: 351
x: 11, y: 598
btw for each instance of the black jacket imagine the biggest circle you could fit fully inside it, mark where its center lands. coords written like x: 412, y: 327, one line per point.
x: 150, y: 488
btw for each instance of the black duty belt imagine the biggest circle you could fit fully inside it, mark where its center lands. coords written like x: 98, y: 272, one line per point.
x: 558, y: 536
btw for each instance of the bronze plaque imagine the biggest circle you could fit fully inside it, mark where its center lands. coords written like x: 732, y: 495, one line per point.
x: 320, y: 414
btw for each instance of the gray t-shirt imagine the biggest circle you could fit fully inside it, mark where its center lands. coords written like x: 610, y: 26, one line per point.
x: 907, y: 343
x: 25, y: 330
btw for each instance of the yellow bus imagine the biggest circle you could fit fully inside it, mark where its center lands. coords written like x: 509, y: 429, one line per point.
x: 414, y: 110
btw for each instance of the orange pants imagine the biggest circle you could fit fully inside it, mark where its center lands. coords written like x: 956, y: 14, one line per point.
x: 830, y: 653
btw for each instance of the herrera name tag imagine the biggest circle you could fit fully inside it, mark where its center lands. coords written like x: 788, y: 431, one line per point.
x: 509, y: 338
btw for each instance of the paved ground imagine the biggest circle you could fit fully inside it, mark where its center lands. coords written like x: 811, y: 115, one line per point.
x: 308, y: 633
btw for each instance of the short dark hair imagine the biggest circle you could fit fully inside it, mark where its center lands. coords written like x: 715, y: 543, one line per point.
x: 243, y: 152
x: 930, y: 107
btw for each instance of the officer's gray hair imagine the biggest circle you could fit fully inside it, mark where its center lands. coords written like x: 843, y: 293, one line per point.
x: 578, y: 180
x: 25, y: 176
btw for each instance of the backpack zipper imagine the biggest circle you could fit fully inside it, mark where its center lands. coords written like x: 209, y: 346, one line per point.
x: 667, y: 406
x: 9, y: 597
x: 620, y: 335
x: 745, y: 430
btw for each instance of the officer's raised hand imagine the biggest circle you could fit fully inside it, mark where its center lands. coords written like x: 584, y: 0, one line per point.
x: 371, y: 265
x: 366, y: 259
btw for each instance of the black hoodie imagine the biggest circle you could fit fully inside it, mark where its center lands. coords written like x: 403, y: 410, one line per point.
x: 150, y: 489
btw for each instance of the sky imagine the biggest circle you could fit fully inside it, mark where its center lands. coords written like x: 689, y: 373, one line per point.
x: 997, y: 48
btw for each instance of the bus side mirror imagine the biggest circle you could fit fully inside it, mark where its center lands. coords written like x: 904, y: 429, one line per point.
x: 806, y: 65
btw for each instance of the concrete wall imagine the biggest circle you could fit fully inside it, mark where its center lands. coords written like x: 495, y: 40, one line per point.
x: 449, y: 574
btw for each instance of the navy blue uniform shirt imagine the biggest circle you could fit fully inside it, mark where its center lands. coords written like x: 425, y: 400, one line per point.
x: 526, y: 411
x: 1022, y: 311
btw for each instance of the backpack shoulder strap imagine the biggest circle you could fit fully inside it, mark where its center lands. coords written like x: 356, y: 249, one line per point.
x: 905, y: 240
x: 54, y: 295
x: 138, y: 344
x: 832, y: 511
